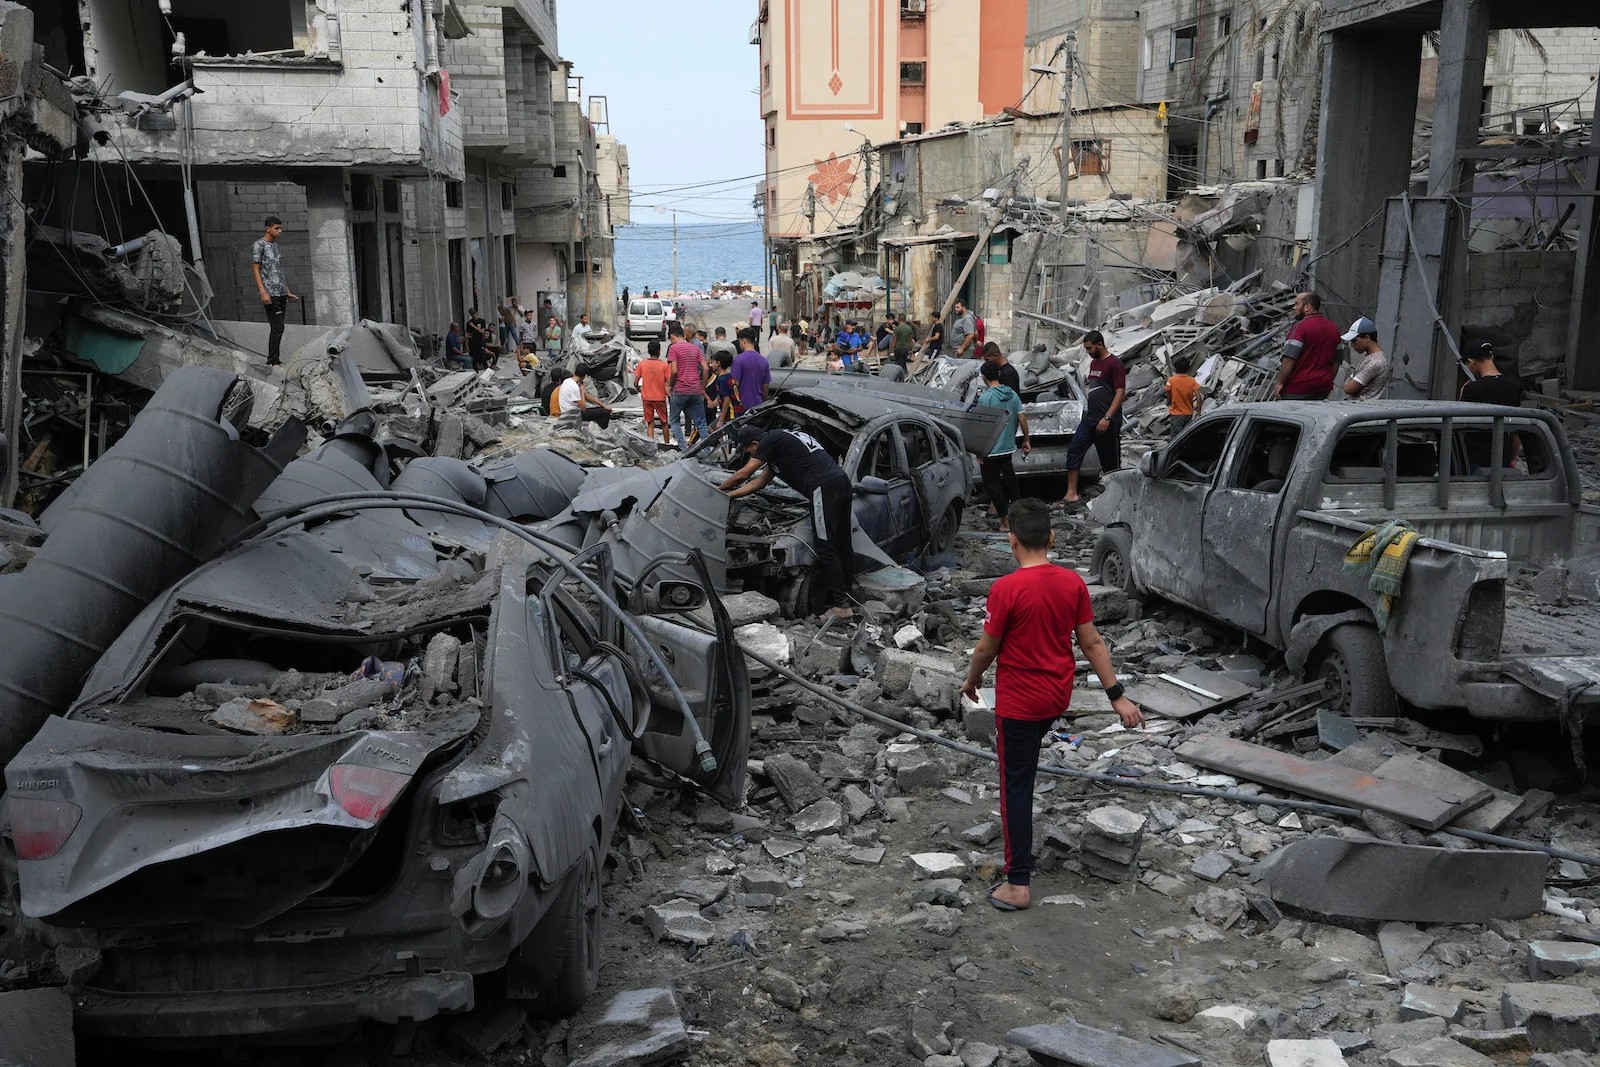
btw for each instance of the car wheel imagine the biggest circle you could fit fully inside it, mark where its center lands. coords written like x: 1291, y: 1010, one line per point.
x: 569, y: 939
x: 943, y: 542
x: 1110, y: 562
x: 1356, y: 672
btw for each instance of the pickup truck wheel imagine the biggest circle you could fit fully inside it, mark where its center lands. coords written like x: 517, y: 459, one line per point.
x: 1356, y: 672
x: 1109, y: 563
x: 570, y: 932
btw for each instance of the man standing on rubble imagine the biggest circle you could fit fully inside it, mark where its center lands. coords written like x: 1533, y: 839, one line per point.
x: 688, y: 383
x: 266, y: 266
x: 752, y: 373
x: 1101, y: 424
x: 1031, y: 619
x: 963, y: 332
x: 805, y: 466
x: 1306, y: 369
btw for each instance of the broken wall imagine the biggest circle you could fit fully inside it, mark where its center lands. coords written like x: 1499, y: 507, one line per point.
x: 1527, y: 295
x: 232, y: 218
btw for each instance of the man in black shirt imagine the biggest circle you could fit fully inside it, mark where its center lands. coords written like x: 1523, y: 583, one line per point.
x: 805, y: 466
x: 1489, y: 385
x: 1008, y: 374
x: 477, y: 340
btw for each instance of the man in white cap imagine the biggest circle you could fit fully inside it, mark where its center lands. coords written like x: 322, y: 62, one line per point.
x: 1370, y: 379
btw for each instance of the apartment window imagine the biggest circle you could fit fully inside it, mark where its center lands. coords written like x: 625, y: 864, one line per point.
x: 1261, y: 53
x: 913, y: 73
x: 1090, y: 157
x: 913, y: 128
x: 452, y: 194
x: 508, y: 196
x: 391, y: 197
x: 766, y: 75
x: 1183, y: 43
x: 508, y: 251
x: 1261, y: 168
x: 1277, y: 168
x: 558, y: 171
x: 1224, y: 25
x: 772, y: 137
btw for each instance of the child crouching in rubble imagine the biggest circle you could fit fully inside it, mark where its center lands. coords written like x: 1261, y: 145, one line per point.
x: 1032, y: 617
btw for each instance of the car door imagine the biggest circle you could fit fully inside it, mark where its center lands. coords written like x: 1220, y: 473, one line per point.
x: 1241, y: 517
x: 885, y: 500
x: 937, y: 482
x: 1167, y: 543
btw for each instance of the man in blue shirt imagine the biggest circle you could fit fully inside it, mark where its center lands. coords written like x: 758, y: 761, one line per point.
x: 848, y: 345
x: 999, y: 477
x: 453, y: 353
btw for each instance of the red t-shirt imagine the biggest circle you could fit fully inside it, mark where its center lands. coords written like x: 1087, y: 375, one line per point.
x: 685, y: 359
x: 1034, y: 611
x: 1313, y: 368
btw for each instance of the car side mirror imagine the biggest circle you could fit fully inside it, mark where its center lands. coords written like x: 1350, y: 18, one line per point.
x: 1147, y: 463
x: 873, y: 486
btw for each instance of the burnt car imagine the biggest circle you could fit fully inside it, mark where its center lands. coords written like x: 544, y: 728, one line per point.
x: 1247, y: 515
x: 373, y: 754
x: 911, y: 481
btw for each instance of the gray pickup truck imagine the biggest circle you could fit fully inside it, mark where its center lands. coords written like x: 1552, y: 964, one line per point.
x: 1246, y: 518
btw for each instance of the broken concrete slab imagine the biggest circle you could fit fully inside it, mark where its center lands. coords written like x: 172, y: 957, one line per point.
x: 825, y: 816
x: 1556, y: 1016
x: 36, y: 1028
x: 1493, y: 1042
x: 1561, y: 959
x: 1486, y: 818
x: 1410, y: 883
x: 1424, y: 1002
x: 1210, y: 866
x: 636, y: 1028
x: 1084, y: 1046
x: 1317, y: 1052
x: 679, y: 920
x: 938, y: 865
x: 1420, y: 805
x: 796, y: 782
x: 1186, y: 693
x: 1440, y: 1052
x: 1402, y: 945
x: 1117, y: 823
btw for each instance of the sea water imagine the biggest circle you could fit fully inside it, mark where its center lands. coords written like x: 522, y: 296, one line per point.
x: 707, y: 253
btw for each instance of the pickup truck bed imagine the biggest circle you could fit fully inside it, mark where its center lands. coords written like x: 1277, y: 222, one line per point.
x: 1544, y: 630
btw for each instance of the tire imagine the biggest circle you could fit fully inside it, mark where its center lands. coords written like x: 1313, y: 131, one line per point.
x: 1353, y: 665
x: 565, y: 946
x: 1111, y: 562
x: 943, y: 541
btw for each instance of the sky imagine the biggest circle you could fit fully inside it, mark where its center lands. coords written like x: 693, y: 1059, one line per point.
x: 679, y: 79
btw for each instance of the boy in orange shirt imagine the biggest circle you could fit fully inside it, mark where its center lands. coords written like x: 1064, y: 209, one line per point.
x: 1183, y: 395
x: 651, y: 376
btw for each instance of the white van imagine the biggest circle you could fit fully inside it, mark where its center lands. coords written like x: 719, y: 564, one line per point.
x: 646, y: 318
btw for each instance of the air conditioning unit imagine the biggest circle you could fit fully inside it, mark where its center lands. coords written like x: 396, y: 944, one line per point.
x: 913, y: 7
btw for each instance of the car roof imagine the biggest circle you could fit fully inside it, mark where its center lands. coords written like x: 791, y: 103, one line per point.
x: 861, y: 406
x: 1333, y: 414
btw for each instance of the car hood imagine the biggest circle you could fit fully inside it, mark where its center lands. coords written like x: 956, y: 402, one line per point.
x: 220, y: 829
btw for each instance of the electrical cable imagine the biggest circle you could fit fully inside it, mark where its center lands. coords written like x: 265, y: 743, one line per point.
x: 1119, y: 782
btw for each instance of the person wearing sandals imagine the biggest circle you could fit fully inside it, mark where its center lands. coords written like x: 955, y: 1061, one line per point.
x: 1030, y: 621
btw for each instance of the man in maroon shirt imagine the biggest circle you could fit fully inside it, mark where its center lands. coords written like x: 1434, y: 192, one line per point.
x: 1033, y: 614
x: 1306, y: 372
x: 1105, y: 388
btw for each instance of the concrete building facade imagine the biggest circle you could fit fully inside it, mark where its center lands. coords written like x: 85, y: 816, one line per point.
x: 836, y: 79
x: 399, y: 144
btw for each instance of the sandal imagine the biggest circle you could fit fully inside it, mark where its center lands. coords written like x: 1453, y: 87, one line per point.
x: 999, y: 904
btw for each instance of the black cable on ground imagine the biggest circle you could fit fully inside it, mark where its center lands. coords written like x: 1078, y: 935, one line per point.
x: 1117, y: 782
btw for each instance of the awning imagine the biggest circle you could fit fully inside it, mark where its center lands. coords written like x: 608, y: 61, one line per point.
x: 928, y: 238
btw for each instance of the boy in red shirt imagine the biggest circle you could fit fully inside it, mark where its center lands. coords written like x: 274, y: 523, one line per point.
x: 1033, y: 615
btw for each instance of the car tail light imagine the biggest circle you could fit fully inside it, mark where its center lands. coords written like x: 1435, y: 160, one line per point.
x: 365, y: 793
x: 40, y: 827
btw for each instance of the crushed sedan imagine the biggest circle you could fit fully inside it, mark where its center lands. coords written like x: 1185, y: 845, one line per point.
x: 911, y: 479
x: 372, y: 754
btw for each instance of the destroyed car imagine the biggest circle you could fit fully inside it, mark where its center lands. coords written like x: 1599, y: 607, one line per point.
x: 1247, y: 516
x: 372, y: 754
x: 911, y: 483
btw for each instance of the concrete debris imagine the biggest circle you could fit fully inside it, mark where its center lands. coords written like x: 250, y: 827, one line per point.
x: 636, y: 1028
x: 36, y: 1028
x: 1317, y: 1052
x: 1410, y: 883
x: 1084, y: 1046
x: 1556, y: 1016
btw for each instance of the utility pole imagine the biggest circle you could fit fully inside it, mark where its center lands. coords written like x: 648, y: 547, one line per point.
x: 674, y: 255
x: 811, y: 207
x: 1071, y: 45
x: 866, y: 160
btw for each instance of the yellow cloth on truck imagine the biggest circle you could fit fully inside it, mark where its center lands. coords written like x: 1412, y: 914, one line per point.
x: 1382, y: 555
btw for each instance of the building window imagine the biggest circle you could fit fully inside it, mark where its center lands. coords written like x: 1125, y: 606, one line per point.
x: 1147, y: 51
x: 361, y: 192
x: 391, y: 196
x: 772, y: 137
x: 915, y: 73
x: 1091, y: 157
x: 1183, y: 43
x: 452, y: 194
x: 766, y: 75
x: 508, y: 196
x: 1277, y: 167
x: 1224, y: 24
x: 913, y: 128
x: 1261, y: 168
x: 558, y: 171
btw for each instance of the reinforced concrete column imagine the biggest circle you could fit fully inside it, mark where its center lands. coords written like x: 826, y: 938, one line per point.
x: 333, y: 275
x: 1369, y: 103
